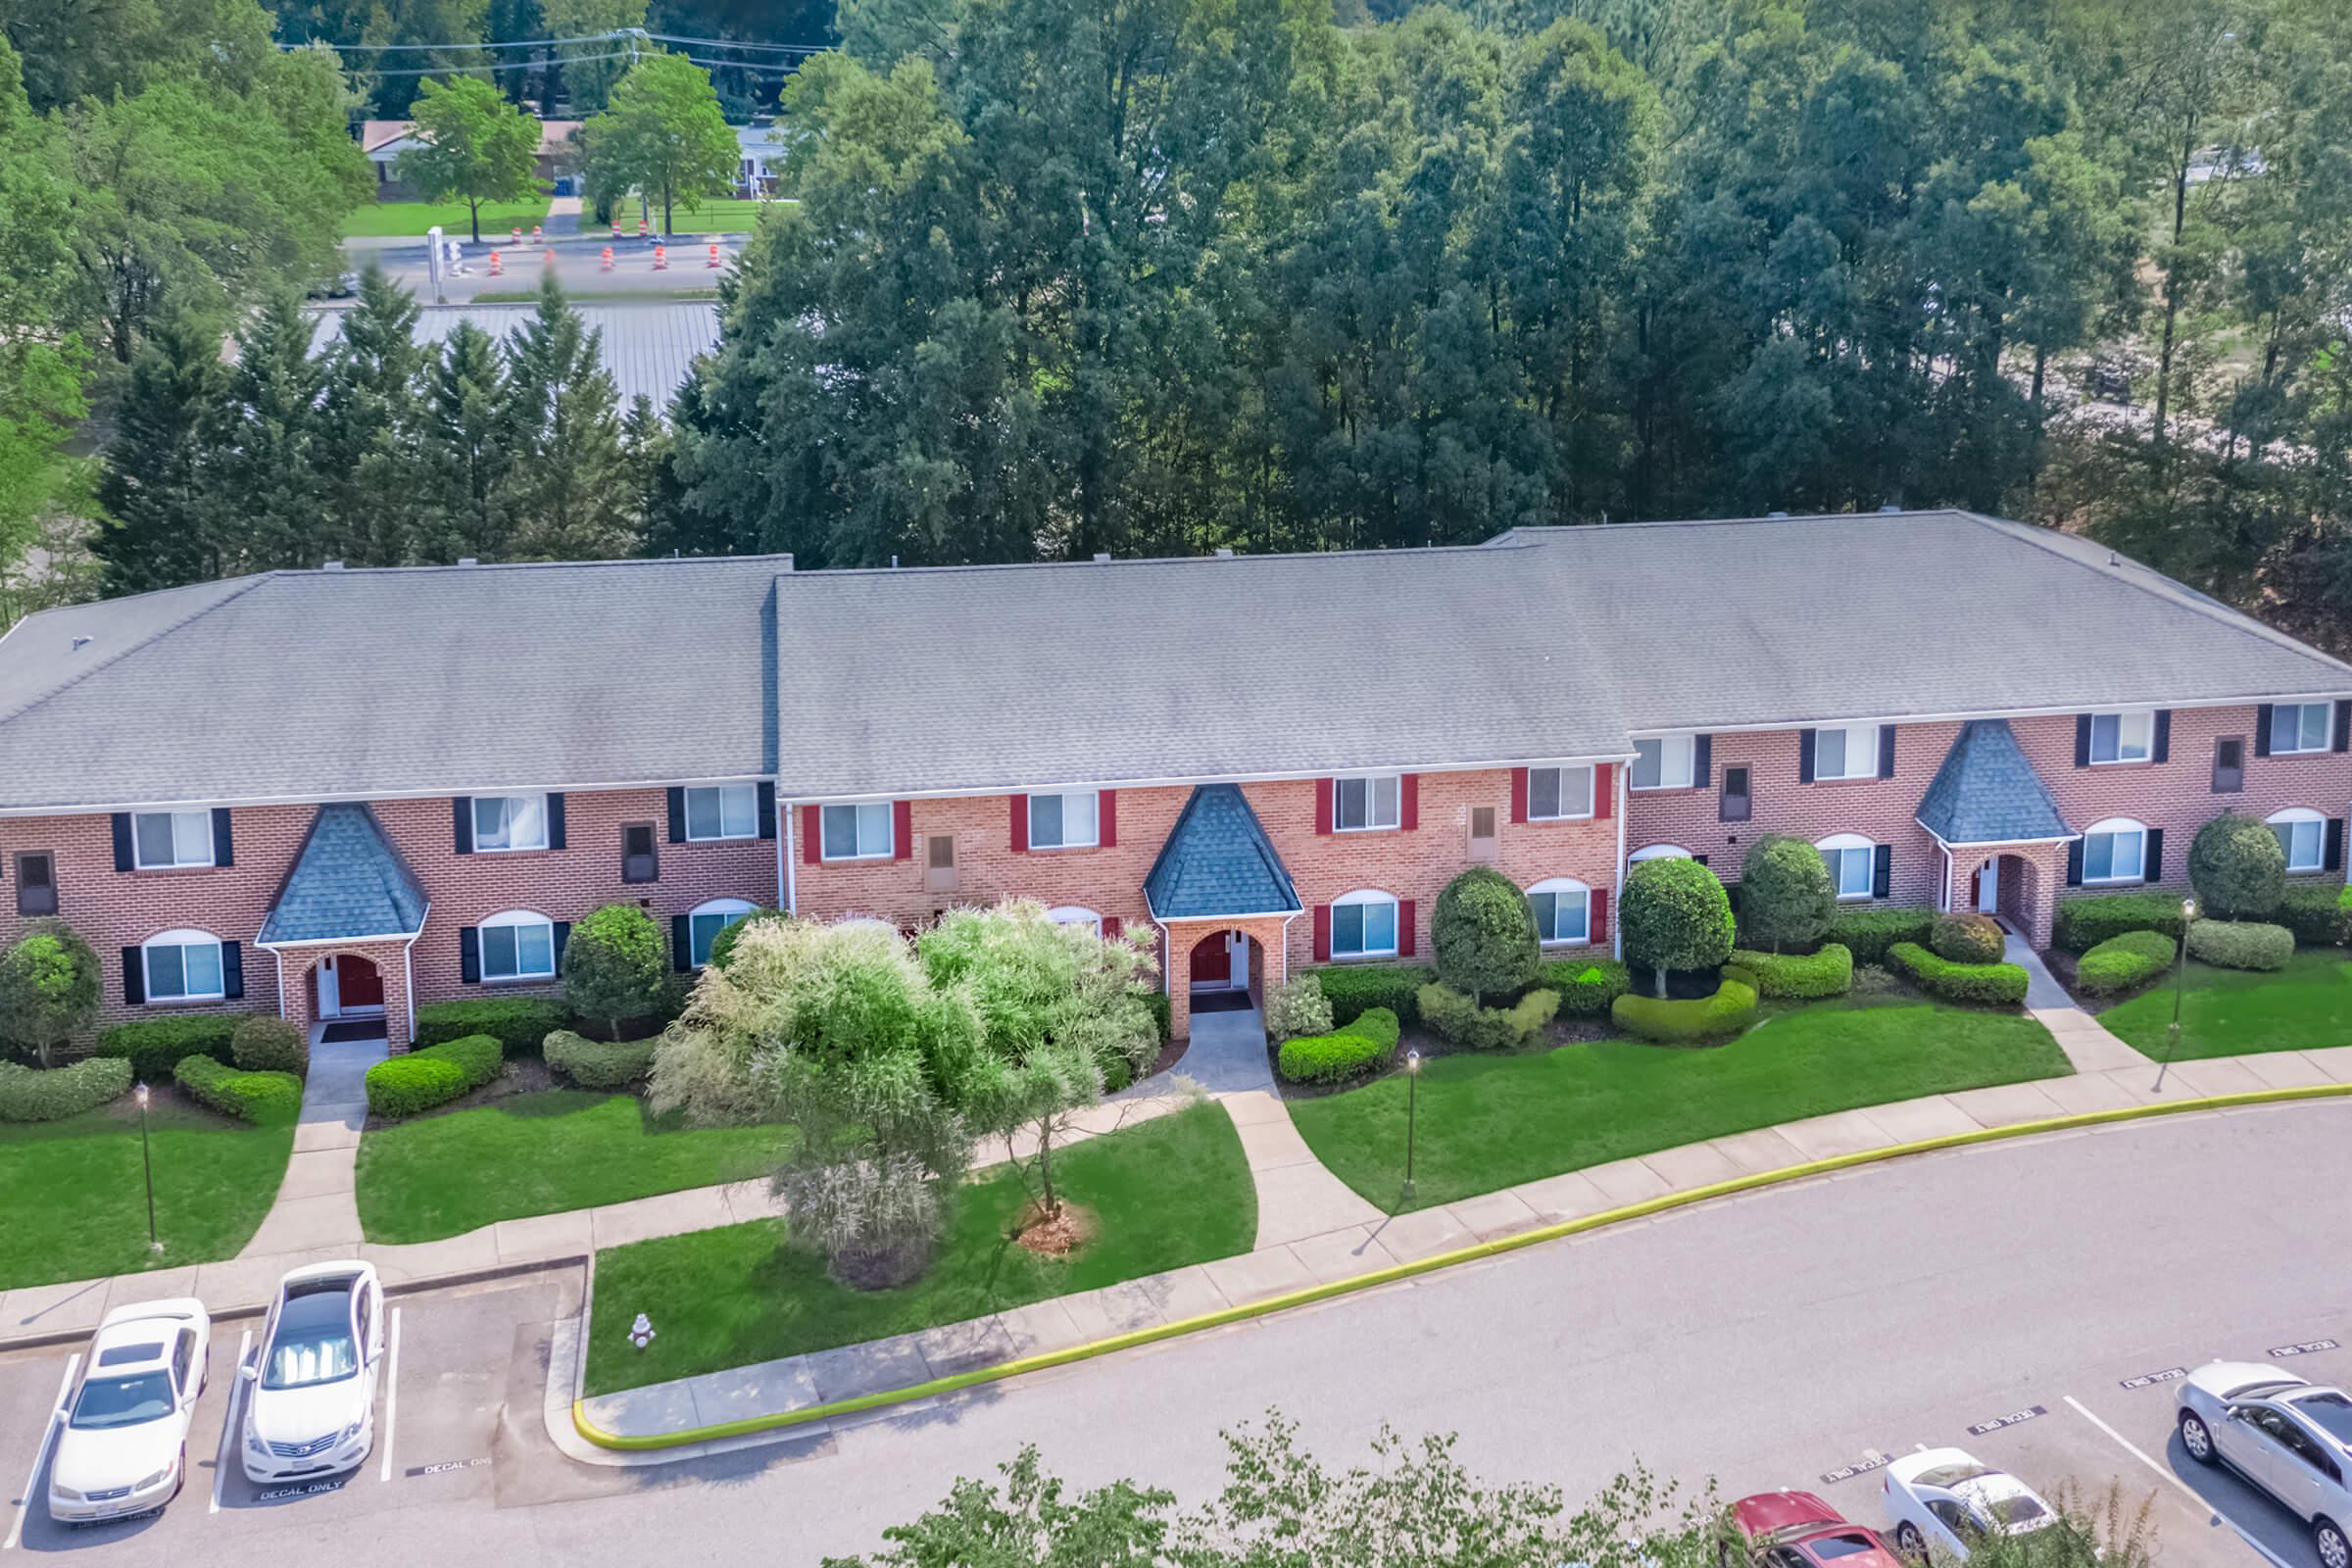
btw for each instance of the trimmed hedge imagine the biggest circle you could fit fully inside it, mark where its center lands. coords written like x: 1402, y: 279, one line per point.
x: 2240, y: 943
x: 264, y: 1099
x: 1155, y: 1000
x: 1980, y: 985
x: 2088, y: 919
x: 599, y: 1063
x: 1966, y: 937
x: 2318, y: 916
x: 156, y: 1046
x: 2120, y: 963
x: 263, y: 1043
x: 1687, y: 1020
x: 402, y: 1085
x: 1868, y: 934
x: 1587, y: 986
x: 517, y: 1023
x: 1460, y: 1019
x: 1795, y: 976
x: 1362, y: 1047
x: 33, y: 1094
x: 1357, y: 988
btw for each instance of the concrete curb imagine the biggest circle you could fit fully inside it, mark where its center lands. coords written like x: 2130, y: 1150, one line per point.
x: 779, y: 1420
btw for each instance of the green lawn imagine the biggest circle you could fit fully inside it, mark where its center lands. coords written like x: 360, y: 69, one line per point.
x: 725, y: 216
x: 1487, y: 1122
x: 1167, y: 1193
x: 2231, y: 1013
x: 396, y: 219
x: 78, y: 1205
x: 539, y: 1154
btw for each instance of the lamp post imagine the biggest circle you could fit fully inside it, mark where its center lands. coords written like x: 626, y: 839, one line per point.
x: 147, y: 1163
x: 1412, y: 1099
x: 2172, y: 1036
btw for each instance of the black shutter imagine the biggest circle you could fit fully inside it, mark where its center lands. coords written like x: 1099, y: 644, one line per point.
x: 1882, y: 870
x: 555, y: 821
x: 1804, y: 757
x: 1702, y: 762
x: 134, y: 974
x: 232, y: 970
x: 1886, y: 751
x: 2262, y: 730
x: 2163, y: 750
x: 677, y: 815
x: 2073, y: 863
x: 470, y: 954
x: 2335, y: 860
x: 681, y: 942
x: 122, y: 856
x: 2342, y: 739
x: 767, y: 809
x: 460, y: 812
x: 562, y: 940
x: 2151, y: 868
x: 2082, y: 740
x: 225, y: 849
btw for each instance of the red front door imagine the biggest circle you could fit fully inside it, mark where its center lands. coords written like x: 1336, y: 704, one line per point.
x: 360, y: 984
x: 1213, y: 962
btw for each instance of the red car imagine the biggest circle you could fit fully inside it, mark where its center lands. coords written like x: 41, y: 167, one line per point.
x: 1798, y: 1530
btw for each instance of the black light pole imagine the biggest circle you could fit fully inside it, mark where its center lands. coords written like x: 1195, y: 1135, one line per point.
x: 1413, y: 1101
x: 147, y: 1160
x: 2171, y: 1038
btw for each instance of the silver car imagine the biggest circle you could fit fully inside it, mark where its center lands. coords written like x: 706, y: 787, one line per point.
x: 2289, y: 1438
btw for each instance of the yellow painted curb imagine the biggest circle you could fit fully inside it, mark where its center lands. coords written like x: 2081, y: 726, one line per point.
x: 779, y: 1420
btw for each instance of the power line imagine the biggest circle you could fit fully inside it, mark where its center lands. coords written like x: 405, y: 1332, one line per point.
x: 500, y: 64
x: 544, y: 43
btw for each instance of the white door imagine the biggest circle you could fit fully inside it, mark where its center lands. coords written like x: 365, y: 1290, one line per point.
x: 331, y: 992
x: 1238, y: 945
x: 1988, y: 887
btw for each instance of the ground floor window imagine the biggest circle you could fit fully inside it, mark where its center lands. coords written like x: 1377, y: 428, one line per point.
x: 1363, y: 925
x: 708, y: 920
x: 518, y: 945
x: 1072, y: 915
x: 1851, y: 860
x: 1563, y: 909
x: 2115, y: 851
x: 183, y: 967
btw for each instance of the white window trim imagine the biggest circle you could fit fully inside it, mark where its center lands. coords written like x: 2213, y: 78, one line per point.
x: 139, y: 861
x: 890, y: 836
x: 504, y: 919
x: 1337, y: 779
x: 1565, y: 884
x: 1591, y: 791
x: 739, y: 907
x: 474, y: 806
x: 2327, y: 732
x: 1067, y: 843
x: 2295, y: 815
x: 1666, y: 752
x: 185, y: 936
x: 1869, y: 754
x: 2147, y: 747
x: 1370, y: 897
x: 1075, y: 914
x: 1842, y: 844
x: 1659, y: 852
x: 2115, y: 825
x: 720, y: 790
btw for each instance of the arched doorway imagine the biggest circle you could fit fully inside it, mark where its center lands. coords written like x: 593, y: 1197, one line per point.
x: 1225, y: 972
x: 2005, y: 885
x: 344, y: 985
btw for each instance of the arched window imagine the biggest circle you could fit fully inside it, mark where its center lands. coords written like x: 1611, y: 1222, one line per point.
x: 706, y: 921
x: 1851, y: 860
x: 518, y: 945
x: 1073, y: 914
x: 1660, y: 851
x: 2115, y: 851
x: 2302, y: 834
x: 1363, y: 925
x: 1563, y: 909
x: 182, y: 966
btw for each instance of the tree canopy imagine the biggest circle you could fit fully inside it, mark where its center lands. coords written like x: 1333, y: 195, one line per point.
x: 473, y: 145
x: 663, y: 134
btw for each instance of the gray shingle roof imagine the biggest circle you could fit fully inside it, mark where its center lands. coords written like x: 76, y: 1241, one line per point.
x: 648, y: 348
x: 1988, y: 793
x: 1218, y: 861
x: 348, y: 881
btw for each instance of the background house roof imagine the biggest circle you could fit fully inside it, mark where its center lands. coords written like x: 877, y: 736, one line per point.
x: 348, y: 882
x: 647, y: 349
x: 1988, y: 793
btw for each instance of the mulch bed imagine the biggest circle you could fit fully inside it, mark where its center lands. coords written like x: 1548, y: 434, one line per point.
x: 1065, y: 1233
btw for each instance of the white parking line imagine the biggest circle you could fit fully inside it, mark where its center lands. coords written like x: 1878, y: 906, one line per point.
x: 391, y: 1392
x: 16, y: 1531
x: 228, y: 1422
x: 2213, y: 1514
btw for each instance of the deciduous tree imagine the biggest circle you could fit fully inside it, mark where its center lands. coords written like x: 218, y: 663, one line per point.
x: 473, y: 146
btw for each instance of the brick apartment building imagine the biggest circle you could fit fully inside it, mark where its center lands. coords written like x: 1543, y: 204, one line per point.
x: 338, y: 794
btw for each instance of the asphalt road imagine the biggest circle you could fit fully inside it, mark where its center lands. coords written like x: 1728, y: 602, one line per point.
x: 1773, y: 1339
x: 578, y: 264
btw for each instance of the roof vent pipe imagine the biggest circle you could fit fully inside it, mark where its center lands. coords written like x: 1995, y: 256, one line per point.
x: 1103, y: 558
x: 331, y: 565
x: 1776, y: 514
x: 1889, y: 510
x: 1224, y: 552
x: 468, y: 561
x: 79, y: 643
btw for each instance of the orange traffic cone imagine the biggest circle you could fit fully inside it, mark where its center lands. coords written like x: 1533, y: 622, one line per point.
x: 607, y: 267
x: 661, y: 258
x: 617, y: 229
x: 641, y: 229
x: 547, y: 256
x: 535, y: 235
x: 514, y: 236
x: 498, y: 265
x: 714, y: 262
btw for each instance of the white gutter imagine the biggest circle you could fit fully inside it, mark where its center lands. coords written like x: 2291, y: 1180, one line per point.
x: 790, y: 852
x: 1617, y: 788
x: 1183, y: 781
x: 783, y: 839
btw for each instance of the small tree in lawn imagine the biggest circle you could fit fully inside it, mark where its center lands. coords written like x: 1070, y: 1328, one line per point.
x: 615, y: 965
x: 473, y: 145
x: 48, y: 988
x: 662, y: 133
x: 2238, y: 869
x: 1786, y: 899
x: 1484, y: 934
x: 1676, y: 916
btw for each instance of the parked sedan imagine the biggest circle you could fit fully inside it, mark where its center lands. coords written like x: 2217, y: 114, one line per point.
x: 2289, y: 1438
x: 310, y: 1410
x: 1798, y: 1530
x: 124, y: 1445
x: 1944, y: 1500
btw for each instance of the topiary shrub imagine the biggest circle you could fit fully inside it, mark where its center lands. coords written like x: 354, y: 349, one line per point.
x: 52, y: 1093
x: 480, y: 1057
x: 1363, y: 1047
x: 1791, y: 976
x: 2316, y: 915
x: 1461, y: 1020
x: 402, y: 1085
x: 1868, y: 933
x: 1979, y: 985
x: 1354, y: 988
x: 614, y: 966
x: 1482, y: 935
x: 1297, y: 1007
x: 1786, y: 899
x: 263, y: 1043
x: 599, y: 1063
x: 2123, y: 961
x: 517, y: 1023
x: 156, y: 1046
x: 1688, y: 1020
x: 48, y: 989
x: 1587, y: 986
x: 2237, y: 867
x: 2240, y: 943
x: 2085, y: 921
x: 264, y: 1099
x: 1675, y: 916
x: 1964, y: 938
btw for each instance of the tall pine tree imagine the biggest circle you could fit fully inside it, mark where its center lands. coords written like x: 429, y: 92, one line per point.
x: 158, y: 486
x: 368, y: 448
x: 574, y: 489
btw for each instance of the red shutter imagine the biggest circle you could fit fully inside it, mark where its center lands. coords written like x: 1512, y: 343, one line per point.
x: 1605, y: 790
x: 1322, y: 805
x: 1323, y: 927
x: 1601, y: 915
x: 1020, y: 824
x: 1408, y: 809
x: 1405, y: 946
x: 1113, y: 927
x: 1106, y: 819
x: 812, y: 824
x: 902, y: 830
x: 1518, y: 794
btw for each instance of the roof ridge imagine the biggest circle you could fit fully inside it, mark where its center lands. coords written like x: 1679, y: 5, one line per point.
x: 1399, y: 553
x: 1725, y: 522
x: 245, y: 587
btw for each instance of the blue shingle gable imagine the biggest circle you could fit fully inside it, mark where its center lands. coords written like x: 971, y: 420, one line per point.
x: 1988, y: 793
x: 348, y: 881
x: 1218, y: 861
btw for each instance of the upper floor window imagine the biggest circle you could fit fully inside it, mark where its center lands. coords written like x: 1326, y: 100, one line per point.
x: 36, y: 883
x: 1846, y: 750
x: 166, y: 838
x: 723, y: 811
x: 1066, y: 821
x: 518, y: 945
x: 2302, y: 834
x: 1851, y: 860
x: 1558, y: 793
x: 1563, y: 909
x: 510, y: 822
x: 1363, y: 925
x: 1357, y: 804
x: 2299, y: 727
x: 2115, y: 851
x: 1663, y: 762
x: 182, y: 966
x: 1073, y: 914
x: 859, y: 832
x: 2123, y: 737
x: 708, y: 920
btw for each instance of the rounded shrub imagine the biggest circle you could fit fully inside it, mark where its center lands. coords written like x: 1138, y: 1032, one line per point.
x: 614, y: 966
x: 480, y: 1057
x: 1675, y: 916
x: 1868, y: 933
x: 1355, y: 988
x: 599, y: 1064
x: 1966, y: 937
x: 1587, y: 986
x: 34, y: 1094
x: 1786, y: 899
x: 1688, y: 1020
x: 2240, y: 943
x: 1799, y: 977
x: 2237, y: 867
x: 1484, y: 934
x: 2088, y: 919
x: 402, y: 1085
x: 2123, y: 961
x: 1460, y: 1019
x: 1297, y: 1007
x: 263, y: 1043
x: 264, y: 1099
x: 2316, y: 915
x: 1979, y: 985
x: 1363, y: 1047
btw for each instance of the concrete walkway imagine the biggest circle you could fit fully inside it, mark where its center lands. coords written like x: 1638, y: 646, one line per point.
x: 1296, y: 1197
x: 2085, y: 1040
x: 316, y: 1206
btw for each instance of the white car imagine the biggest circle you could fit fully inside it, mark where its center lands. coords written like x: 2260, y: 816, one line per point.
x: 1942, y: 1500
x: 310, y: 1406
x: 124, y: 1447
x: 2290, y: 1438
